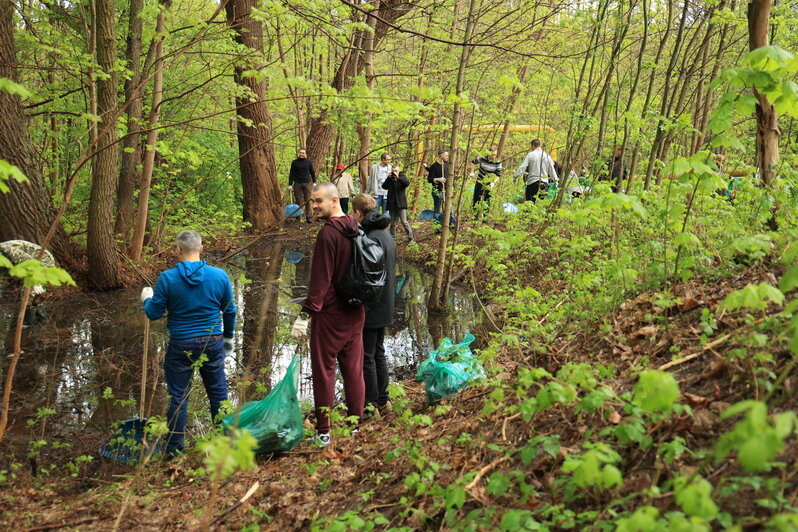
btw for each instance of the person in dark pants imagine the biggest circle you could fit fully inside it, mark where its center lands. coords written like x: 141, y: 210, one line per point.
x: 396, y: 200
x: 489, y: 170
x: 201, y: 322
x: 302, y: 177
x: 437, y: 174
x: 537, y: 169
x: 380, y: 315
x: 616, y: 172
x: 337, y: 331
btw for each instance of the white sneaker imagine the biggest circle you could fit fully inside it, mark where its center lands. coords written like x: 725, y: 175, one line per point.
x: 322, y: 439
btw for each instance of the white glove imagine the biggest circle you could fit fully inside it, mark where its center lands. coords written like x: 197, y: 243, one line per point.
x: 38, y: 290
x: 300, y: 328
x: 146, y: 293
x: 228, y: 347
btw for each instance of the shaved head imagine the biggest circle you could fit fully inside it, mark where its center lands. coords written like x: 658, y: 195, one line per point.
x: 327, y: 188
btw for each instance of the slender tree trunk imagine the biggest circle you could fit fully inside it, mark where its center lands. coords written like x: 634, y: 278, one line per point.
x: 131, y: 144
x: 364, y: 129
x: 509, y: 110
x: 436, y: 298
x: 103, y: 261
x: 262, y: 202
x: 767, y: 121
x: 152, y: 138
x: 26, y: 211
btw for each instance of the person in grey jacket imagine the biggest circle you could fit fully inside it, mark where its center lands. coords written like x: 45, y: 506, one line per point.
x: 381, y: 314
x: 396, y: 200
x: 377, y: 176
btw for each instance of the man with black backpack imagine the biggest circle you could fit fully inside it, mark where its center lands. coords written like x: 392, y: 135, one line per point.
x: 337, y: 331
x: 380, y: 314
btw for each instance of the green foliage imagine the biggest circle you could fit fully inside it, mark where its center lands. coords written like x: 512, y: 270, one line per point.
x: 758, y: 437
x: 224, y: 455
x: 694, y: 496
x: 9, y: 171
x: 33, y: 273
x: 656, y: 391
x: 753, y: 297
x: 595, y: 467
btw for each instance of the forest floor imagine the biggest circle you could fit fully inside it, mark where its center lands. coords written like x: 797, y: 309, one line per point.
x: 290, y: 491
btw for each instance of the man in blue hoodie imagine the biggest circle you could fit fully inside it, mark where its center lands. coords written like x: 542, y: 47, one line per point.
x: 201, y: 321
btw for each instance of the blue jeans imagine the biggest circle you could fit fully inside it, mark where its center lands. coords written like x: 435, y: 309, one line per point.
x: 179, y: 363
x: 381, y: 203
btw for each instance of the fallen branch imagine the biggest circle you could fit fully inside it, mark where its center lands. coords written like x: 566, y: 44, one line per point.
x: 710, y: 345
x: 241, y: 501
x: 471, y: 485
x: 60, y: 525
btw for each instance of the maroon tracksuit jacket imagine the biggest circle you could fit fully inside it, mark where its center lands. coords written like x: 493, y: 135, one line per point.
x: 336, y: 331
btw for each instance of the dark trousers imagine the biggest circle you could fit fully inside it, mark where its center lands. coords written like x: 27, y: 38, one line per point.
x: 437, y: 200
x: 345, y: 205
x: 536, y: 190
x: 181, y: 358
x: 481, y: 193
x: 375, y: 366
x: 302, y: 197
x: 328, y: 346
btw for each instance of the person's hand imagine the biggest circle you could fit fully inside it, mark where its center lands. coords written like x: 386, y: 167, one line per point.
x: 37, y: 290
x: 300, y: 328
x: 146, y: 293
x: 228, y: 347
x: 440, y: 180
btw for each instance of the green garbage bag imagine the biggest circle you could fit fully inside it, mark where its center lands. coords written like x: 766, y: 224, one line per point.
x: 449, y: 369
x: 276, y: 420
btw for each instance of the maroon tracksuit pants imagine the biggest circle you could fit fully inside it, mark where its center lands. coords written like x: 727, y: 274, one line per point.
x: 334, y: 340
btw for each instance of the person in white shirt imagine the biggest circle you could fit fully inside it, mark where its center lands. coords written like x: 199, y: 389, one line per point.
x: 343, y: 182
x: 537, y: 169
x: 377, y: 176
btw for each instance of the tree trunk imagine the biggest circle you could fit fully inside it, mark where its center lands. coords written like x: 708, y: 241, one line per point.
x: 103, y: 263
x: 767, y: 121
x: 437, y: 292
x: 364, y: 128
x: 26, y: 211
x: 152, y: 139
x: 131, y: 144
x: 320, y: 131
x: 262, y: 202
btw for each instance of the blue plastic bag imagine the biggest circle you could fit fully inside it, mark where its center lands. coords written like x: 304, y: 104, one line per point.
x: 449, y: 369
x: 276, y: 420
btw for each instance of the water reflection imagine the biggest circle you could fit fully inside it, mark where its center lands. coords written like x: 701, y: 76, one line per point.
x: 85, y: 361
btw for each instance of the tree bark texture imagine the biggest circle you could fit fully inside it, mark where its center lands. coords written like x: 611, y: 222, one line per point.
x: 262, y: 202
x: 26, y: 211
x: 767, y: 121
x: 103, y: 264
x: 131, y: 144
x: 321, y: 130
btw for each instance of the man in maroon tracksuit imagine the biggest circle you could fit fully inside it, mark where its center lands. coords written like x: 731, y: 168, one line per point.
x: 337, y: 331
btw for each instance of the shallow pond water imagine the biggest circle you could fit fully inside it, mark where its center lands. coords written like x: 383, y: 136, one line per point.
x: 84, y: 361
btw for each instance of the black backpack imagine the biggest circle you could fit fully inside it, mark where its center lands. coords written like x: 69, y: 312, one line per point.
x: 365, y: 277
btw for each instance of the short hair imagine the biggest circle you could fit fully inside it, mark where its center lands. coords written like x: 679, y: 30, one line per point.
x: 189, y: 240
x: 364, y: 203
x: 536, y: 143
x: 328, y: 188
x: 384, y: 156
x: 442, y: 151
x: 397, y: 166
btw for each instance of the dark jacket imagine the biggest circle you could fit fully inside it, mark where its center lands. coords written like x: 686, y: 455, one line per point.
x: 376, y: 226
x: 301, y: 171
x: 331, y: 257
x: 397, y: 199
x: 437, y: 170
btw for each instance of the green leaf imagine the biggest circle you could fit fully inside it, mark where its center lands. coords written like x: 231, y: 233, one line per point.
x: 11, y: 87
x: 789, y: 280
x: 768, y: 58
x: 656, y: 391
x: 695, y: 498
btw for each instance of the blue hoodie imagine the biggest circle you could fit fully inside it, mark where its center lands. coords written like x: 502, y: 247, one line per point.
x: 197, y: 297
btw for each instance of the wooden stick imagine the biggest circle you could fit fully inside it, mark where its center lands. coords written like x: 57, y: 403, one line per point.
x: 484, y: 470
x: 241, y: 501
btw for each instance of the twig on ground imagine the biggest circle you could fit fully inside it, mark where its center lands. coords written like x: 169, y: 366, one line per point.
x: 471, y: 485
x: 241, y: 501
